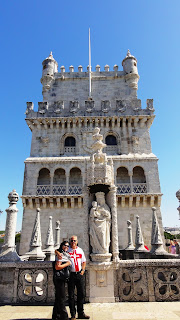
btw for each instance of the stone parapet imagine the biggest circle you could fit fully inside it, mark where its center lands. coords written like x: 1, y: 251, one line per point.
x: 74, y: 109
x: 31, y: 283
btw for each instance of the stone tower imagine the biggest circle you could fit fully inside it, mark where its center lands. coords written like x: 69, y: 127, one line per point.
x: 57, y: 171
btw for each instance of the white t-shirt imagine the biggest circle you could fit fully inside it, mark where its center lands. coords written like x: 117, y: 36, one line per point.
x: 77, y: 258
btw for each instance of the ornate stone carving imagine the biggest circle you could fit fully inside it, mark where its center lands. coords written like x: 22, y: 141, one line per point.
x: 99, y: 171
x: 121, y: 105
x: 136, y: 104
x: 97, y: 146
x: 58, y: 106
x: 133, y: 285
x: 30, y: 107
x: 74, y: 106
x: 9, y: 249
x: 42, y: 107
x: 89, y: 105
x: 130, y: 240
x: 101, y: 278
x: 99, y: 223
x: 149, y: 103
x: 166, y: 284
x: 32, y: 285
x: 105, y: 105
x: 114, y: 239
x: 45, y: 141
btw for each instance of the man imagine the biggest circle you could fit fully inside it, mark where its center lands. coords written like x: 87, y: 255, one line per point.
x: 78, y: 261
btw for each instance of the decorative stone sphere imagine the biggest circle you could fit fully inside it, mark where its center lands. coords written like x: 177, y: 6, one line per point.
x: 13, y: 197
x: 178, y: 194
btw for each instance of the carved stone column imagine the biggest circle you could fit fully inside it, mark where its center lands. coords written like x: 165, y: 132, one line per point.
x: 67, y: 182
x: 115, y: 247
x: 51, y: 183
x: 9, y: 249
x: 131, y: 181
x: 86, y: 221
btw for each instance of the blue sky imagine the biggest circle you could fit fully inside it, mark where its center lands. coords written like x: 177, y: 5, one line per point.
x: 29, y: 30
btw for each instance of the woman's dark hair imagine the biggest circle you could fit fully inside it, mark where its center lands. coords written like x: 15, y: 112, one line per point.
x: 62, y: 244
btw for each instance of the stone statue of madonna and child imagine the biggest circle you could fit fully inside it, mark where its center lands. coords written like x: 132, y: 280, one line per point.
x: 99, y: 225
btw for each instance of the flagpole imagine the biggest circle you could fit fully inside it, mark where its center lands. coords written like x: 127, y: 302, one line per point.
x: 89, y: 65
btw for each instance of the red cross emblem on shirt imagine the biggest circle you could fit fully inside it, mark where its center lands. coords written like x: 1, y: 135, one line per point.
x: 75, y: 256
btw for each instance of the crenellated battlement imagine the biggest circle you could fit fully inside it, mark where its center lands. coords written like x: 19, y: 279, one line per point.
x: 88, y: 108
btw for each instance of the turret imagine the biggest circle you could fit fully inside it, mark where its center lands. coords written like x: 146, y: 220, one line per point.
x: 130, y: 69
x: 130, y: 64
x: 50, y: 66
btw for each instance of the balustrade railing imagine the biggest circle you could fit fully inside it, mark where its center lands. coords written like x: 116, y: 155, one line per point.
x: 112, y: 149
x: 71, y: 150
x: 43, y: 190
x: 139, y: 188
x: 125, y: 188
x: 75, y: 189
x: 59, y: 190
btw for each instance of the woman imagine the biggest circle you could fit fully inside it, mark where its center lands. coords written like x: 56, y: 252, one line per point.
x: 59, y: 310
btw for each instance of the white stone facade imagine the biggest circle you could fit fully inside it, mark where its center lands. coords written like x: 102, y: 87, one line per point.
x: 56, y: 173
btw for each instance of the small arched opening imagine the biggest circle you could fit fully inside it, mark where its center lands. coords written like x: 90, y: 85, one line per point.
x: 75, y: 181
x: 111, y: 143
x: 139, y: 180
x: 59, y: 182
x: 123, y: 181
x: 43, y: 182
x: 70, y: 145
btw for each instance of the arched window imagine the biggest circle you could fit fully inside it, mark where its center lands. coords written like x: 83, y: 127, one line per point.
x: 43, y: 182
x: 122, y: 175
x: 44, y: 177
x: 123, y: 181
x: 70, y: 142
x: 111, y: 140
x: 75, y: 181
x: 138, y: 175
x: 59, y: 182
x: 139, y: 180
x: 59, y: 177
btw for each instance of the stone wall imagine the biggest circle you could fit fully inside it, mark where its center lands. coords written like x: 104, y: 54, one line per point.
x: 134, y: 280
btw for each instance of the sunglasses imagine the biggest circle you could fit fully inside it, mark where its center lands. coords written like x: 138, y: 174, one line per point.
x: 73, y: 240
x: 66, y: 245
